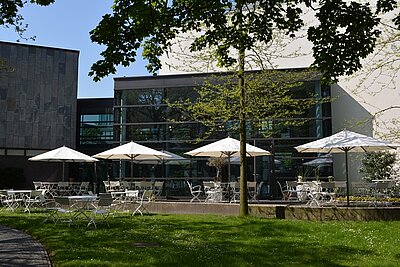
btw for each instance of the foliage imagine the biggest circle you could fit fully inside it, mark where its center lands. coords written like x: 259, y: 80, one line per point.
x: 345, y: 34
x: 212, y: 240
x: 10, y: 16
x: 218, y: 163
x: 231, y: 28
x: 377, y: 165
x: 273, y: 101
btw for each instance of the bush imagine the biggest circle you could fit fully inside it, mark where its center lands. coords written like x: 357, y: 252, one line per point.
x: 378, y: 165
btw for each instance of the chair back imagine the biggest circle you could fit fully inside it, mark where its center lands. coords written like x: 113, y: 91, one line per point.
x: 208, y: 185
x: 145, y: 185
x: 158, y: 187
x: 63, y: 184
x: 125, y: 185
x: 328, y: 185
x: 132, y: 193
x: 291, y: 184
x: 84, y: 185
x: 37, y: 185
x: 114, y: 185
x: 147, y: 194
x: 234, y: 185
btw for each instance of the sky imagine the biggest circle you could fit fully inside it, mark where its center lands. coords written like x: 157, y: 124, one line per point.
x: 66, y: 24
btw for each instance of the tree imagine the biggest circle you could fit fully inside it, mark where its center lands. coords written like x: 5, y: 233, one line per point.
x: 10, y: 16
x: 378, y: 165
x: 218, y: 163
x: 380, y: 77
x: 272, y: 102
x: 346, y: 34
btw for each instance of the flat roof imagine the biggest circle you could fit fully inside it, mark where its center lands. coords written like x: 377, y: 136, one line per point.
x: 39, y: 46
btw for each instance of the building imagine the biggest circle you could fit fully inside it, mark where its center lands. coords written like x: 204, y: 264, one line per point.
x: 95, y: 133
x: 366, y: 102
x: 38, y: 101
x: 142, y: 115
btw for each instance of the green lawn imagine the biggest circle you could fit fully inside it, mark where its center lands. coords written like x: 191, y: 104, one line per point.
x: 210, y: 240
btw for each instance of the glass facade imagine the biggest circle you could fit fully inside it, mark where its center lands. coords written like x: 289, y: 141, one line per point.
x: 96, y: 129
x: 95, y: 133
x: 142, y: 115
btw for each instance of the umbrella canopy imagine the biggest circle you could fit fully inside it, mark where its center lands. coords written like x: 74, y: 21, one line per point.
x: 346, y: 141
x: 227, y: 147
x: 131, y: 151
x: 323, y: 160
x: 173, y: 159
x: 63, y: 154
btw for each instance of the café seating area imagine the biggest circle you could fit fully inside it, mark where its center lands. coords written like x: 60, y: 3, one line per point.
x: 319, y: 193
x: 223, y: 192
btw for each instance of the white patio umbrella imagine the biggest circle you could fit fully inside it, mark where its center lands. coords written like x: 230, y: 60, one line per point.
x: 63, y: 154
x: 131, y: 151
x: 323, y: 160
x: 346, y: 141
x: 173, y: 159
x: 227, y: 147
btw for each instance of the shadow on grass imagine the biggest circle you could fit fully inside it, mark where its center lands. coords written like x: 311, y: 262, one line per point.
x: 199, y: 240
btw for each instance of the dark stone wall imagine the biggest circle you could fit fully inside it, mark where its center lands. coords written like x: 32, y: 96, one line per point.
x: 38, y: 97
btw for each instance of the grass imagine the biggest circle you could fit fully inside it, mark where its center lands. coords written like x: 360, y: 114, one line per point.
x: 211, y: 240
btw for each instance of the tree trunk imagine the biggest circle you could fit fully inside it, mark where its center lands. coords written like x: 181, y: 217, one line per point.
x: 244, y: 206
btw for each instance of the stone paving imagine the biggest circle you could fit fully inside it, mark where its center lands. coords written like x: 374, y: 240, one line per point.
x: 20, y: 249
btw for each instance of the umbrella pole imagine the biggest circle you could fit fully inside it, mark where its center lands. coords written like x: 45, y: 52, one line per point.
x: 131, y: 167
x: 229, y: 168
x: 163, y: 169
x: 63, y: 170
x: 347, y: 179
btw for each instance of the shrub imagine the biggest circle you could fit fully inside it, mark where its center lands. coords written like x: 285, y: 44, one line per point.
x: 377, y: 165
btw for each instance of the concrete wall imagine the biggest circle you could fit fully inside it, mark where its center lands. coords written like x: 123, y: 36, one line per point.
x: 281, y: 211
x: 38, y: 101
x: 38, y: 97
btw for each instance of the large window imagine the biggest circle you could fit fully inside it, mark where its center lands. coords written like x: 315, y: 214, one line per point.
x: 96, y: 129
x: 142, y: 115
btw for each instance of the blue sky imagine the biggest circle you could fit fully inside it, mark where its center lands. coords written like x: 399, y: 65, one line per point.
x: 66, y: 24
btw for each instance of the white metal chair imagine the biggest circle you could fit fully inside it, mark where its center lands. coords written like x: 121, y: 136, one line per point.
x: 158, y: 187
x: 381, y: 191
x: 130, y: 198
x: 37, y: 200
x: 103, y: 208
x: 63, y: 189
x: 340, y: 188
x: 146, y: 198
x: 83, y: 188
x: 328, y: 193
x: 195, y: 191
x: 115, y: 186
x: 235, y: 191
x: 63, y: 206
x: 213, y: 192
x: 288, y: 193
x: 7, y: 200
x: 37, y: 185
x: 252, y: 190
x: 106, y: 186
